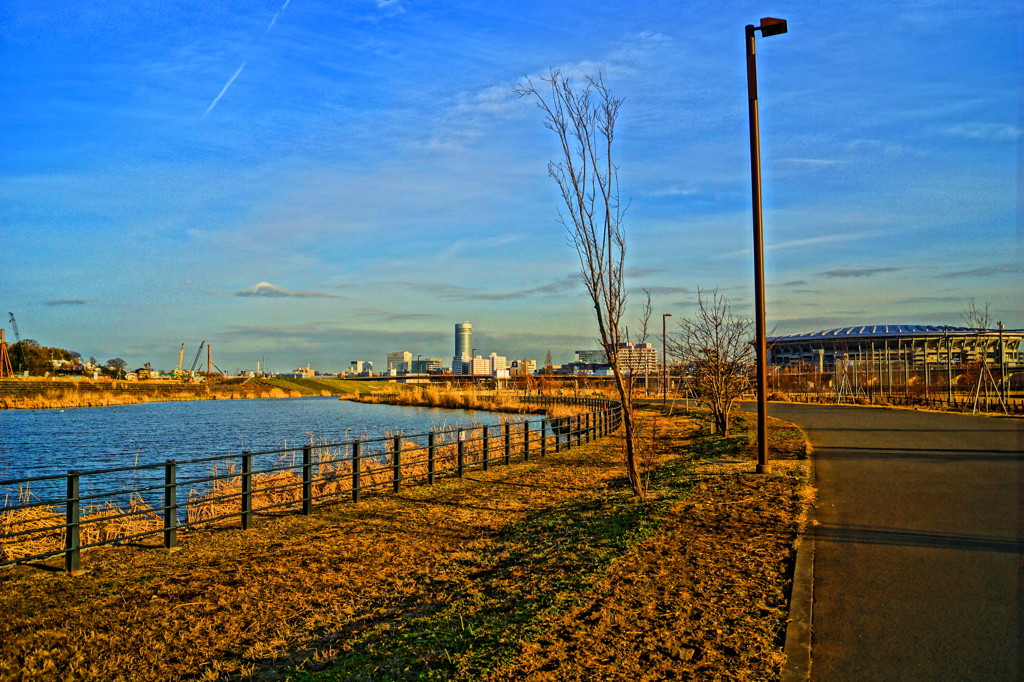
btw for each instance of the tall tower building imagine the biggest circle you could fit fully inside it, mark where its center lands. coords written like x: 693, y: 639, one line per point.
x: 463, y: 340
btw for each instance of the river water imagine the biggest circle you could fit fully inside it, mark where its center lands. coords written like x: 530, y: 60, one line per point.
x: 47, y: 442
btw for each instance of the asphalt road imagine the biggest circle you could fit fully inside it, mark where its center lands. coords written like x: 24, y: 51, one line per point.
x: 918, y: 549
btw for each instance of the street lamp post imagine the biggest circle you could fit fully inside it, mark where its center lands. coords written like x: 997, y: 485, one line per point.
x: 949, y: 366
x: 664, y: 363
x: 769, y: 27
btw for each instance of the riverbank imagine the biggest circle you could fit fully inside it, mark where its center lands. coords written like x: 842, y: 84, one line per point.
x: 62, y: 393
x: 547, y: 568
x: 469, y: 399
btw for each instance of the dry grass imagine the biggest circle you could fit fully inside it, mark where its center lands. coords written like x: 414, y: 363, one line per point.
x: 545, y: 570
x: 65, y: 398
x: 465, y: 399
x: 99, y: 524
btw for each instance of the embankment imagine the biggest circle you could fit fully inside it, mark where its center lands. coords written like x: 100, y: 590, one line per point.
x: 45, y: 393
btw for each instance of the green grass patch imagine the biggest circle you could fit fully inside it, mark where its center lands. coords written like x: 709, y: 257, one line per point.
x: 317, y: 386
x: 518, y: 584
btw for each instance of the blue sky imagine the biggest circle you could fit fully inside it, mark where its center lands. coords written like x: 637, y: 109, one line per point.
x: 319, y: 181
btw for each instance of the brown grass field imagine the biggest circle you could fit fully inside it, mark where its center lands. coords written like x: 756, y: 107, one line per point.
x: 547, y: 569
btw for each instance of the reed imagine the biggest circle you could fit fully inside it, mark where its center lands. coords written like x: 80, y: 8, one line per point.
x: 99, y: 523
x: 62, y: 397
x: 464, y: 399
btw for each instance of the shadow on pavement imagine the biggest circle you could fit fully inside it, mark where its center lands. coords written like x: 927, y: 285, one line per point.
x: 890, y: 536
x: 921, y: 453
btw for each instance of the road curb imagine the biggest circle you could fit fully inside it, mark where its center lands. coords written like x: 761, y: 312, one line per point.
x: 797, y: 648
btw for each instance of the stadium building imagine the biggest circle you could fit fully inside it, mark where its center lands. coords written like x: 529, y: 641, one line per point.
x: 911, y: 345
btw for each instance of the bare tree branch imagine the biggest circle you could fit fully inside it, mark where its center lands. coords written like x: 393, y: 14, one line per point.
x: 583, y: 119
x: 716, y: 348
x: 977, y: 318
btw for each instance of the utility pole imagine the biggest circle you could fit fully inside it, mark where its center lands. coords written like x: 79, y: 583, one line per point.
x: 664, y: 362
x: 949, y: 366
x: 5, y: 360
x: 1003, y: 392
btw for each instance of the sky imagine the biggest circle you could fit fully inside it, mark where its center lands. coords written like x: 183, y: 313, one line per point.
x: 320, y: 181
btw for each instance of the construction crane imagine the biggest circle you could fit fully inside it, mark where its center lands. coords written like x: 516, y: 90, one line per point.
x: 181, y: 356
x: 195, y: 360
x: 21, y: 346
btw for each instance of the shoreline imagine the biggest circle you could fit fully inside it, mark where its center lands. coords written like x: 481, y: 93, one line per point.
x: 56, y: 393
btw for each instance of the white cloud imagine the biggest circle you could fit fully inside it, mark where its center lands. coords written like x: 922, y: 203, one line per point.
x: 268, y: 290
x: 989, y: 132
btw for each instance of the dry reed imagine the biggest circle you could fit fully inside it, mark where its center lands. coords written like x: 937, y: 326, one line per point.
x: 98, y: 524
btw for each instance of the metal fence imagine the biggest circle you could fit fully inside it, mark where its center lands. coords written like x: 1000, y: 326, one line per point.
x: 176, y: 495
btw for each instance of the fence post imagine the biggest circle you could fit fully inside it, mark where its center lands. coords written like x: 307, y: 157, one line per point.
x: 579, y: 430
x: 587, y: 435
x: 487, y: 446
x: 543, y: 437
x: 396, y: 461
x: 431, y: 453
x: 307, y: 479
x: 526, y: 440
x: 357, y: 451
x: 246, y: 490
x: 461, y: 461
x: 170, y: 504
x: 508, y: 443
x: 73, y: 532
x: 556, y: 427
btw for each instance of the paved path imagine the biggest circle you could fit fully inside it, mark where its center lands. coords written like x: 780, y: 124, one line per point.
x: 918, y: 552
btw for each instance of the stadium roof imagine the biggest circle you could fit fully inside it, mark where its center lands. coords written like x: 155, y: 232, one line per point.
x: 888, y: 330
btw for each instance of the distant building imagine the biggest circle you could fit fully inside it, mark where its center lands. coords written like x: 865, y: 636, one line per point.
x: 498, y: 364
x: 477, y: 366
x: 301, y: 373
x: 915, y: 345
x: 523, y: 367
x: 399, y: 361
x: 592, y: 357
x: 428, y: 366
x: 463, y: 340
x: 634, y: 358
x: 360, y: 366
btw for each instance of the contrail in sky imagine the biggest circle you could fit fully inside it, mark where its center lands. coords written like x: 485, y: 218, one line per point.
x: 232, y: 79
x: 224, y: 89
x: 274, y: 20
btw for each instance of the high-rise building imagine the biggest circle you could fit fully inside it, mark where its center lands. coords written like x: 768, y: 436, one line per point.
x: 633, y: 357
x: 427, y: 366
x: 399, y: 360
x: 498, y: 363
x: 463, y: 340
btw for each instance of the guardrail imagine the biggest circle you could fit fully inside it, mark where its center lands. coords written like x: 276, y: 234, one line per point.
x: 166, y: 498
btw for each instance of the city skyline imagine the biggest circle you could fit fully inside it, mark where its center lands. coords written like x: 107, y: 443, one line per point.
x: 312, y: 182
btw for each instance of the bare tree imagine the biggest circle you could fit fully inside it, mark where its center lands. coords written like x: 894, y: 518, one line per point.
x: 583, y: 118
x: 715, y: 346
x: 977, y: 318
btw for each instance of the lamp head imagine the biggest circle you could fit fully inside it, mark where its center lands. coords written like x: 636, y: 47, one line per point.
x: 771, y: 26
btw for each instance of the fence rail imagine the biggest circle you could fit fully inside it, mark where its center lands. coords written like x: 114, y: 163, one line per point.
x: 240, y: 486
x: 959, y: 403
